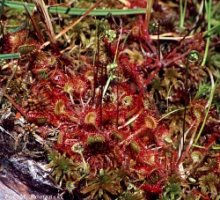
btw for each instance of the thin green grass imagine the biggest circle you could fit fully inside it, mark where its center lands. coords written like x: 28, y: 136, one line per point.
x: 182, y: 6
x: 2, y: 8
x: 212, y: 30
x: 208, y: 8
x: 9, y: 56
x: 209, y: 104
x: 214, y: 147
x: 75, y: 11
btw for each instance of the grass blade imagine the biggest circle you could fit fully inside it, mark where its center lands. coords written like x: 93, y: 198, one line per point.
x: 76, y: 11
x: 2, y: 8
x: 9, y: 56
x: 208, y: 7
x: 209, y: 104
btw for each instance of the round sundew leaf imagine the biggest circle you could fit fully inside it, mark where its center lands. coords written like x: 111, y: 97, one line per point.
x: 168, y: 139
x: 196, y: 156
x: 25, y: 49
x: 150, y: 122
x: 90, y: 118
x: 95, y: 139
x: 135, y: 147
x: 68, y: 87
x: 77, y: 148
x: 116, y: 135
x: 59, y: 107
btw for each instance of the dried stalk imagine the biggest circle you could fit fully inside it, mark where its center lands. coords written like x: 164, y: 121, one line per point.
x: 74, y: 23
x: 44, y: 12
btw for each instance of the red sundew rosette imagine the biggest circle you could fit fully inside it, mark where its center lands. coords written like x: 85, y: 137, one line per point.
x: 149, y: 157
x: 43, y: 86
x: 41, y: 118
x: 41, y: 91
x: 19, y: 42
x: 63, y: 110
x: 58, y: 111
x: 112, y: 47
x: 58, y: 77
x: 128, y: 69
x: 133, y: 71
x: 126, y: 100
x: 130, y: 108
x: 58, y: 94
x: 69, y: 137
x: 12, y: 41
x: 42, y: 63
x: 139, y: 31
x: 148, y: 170
x: 74, y: 85
x: 123, y: 154
x: 97, y: 149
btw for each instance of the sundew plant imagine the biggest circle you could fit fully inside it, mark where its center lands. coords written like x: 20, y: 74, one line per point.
x: 114, y: 99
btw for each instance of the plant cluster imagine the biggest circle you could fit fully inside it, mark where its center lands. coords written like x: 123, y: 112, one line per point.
x: 136, y: 110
